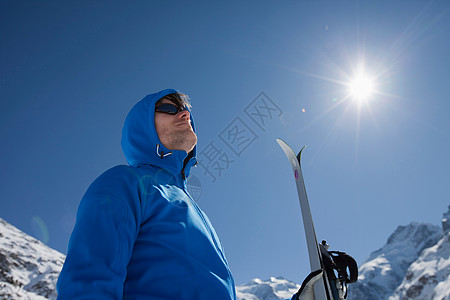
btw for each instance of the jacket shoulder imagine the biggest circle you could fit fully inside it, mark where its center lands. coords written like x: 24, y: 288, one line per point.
x: 117, y: 180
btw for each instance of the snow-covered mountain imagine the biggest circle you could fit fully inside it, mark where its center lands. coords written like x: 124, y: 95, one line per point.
x: 386, y: 268
x: 414, y: 264
x: 428, y: 277
x: 28, y: 268
x: 274, y: 288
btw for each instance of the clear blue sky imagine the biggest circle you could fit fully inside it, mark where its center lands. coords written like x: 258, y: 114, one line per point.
x: 70, y: 71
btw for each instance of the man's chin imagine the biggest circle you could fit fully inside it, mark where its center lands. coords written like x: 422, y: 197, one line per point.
x: 185, y: 142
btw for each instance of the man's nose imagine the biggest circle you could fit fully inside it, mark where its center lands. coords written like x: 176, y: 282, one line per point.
x: 184, y: 114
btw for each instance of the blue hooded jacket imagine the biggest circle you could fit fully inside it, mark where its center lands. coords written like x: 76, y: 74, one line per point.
x: 138, y: 233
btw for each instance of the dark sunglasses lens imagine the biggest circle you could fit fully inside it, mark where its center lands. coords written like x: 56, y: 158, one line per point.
x: 168, y: 108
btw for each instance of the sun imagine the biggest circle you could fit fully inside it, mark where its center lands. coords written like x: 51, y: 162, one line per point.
x: 361, y: 87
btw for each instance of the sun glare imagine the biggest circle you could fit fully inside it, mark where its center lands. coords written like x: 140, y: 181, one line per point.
x: 361, y: 87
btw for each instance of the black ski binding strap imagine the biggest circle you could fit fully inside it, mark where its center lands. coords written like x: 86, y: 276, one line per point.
x: 339, y: 261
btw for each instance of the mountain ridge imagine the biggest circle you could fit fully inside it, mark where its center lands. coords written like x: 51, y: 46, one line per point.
x: 414, y: 264
x: 28, y: 268
x: 385, y: 269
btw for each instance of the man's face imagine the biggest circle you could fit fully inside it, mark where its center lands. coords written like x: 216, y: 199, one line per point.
x: 175, y: 131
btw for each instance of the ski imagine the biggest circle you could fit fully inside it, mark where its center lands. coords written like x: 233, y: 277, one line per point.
x: 322, y: 290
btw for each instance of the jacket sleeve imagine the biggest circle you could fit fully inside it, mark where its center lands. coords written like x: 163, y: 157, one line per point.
x: 99, y: 249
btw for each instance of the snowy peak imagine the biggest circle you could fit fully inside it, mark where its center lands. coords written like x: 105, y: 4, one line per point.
x: 274, y: 288
x: 415, y: 235
x: 385, y: 268
x: 28, y: 268
x: 413, y: 264
x: 429, y: 276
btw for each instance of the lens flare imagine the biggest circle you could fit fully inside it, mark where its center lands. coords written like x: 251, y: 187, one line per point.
x: 40, y: 229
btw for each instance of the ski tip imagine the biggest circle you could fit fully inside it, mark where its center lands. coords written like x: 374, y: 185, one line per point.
x: 283, y: 143
x: 302, y: 149
x: 299, y: 155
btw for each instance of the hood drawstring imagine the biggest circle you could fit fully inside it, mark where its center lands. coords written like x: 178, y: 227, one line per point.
x: 162, y: 155
x: 185, y: 162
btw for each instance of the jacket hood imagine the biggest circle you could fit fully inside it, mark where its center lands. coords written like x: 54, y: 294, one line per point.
x: 140, y: 141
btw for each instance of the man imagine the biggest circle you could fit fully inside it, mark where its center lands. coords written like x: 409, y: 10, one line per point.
x: 138, y: 233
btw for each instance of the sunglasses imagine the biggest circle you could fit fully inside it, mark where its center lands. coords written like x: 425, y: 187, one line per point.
x: 168, y: 108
